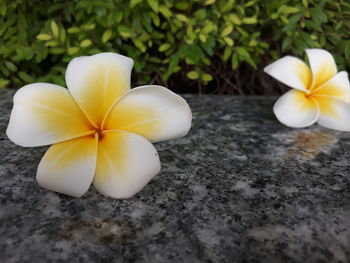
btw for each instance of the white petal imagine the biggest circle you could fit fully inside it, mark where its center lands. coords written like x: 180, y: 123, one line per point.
x: 126, y: 163
x: 334, y: 114
x: 69, y: 167
x: 97, y: 81
x: 291, y: 71
x: 322, y: 66
x: 294, y: 109
x: 151, y: 111
x: 338, y: 87
x: 44, y: 114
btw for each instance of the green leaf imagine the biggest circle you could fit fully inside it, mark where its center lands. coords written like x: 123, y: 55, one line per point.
x: 118, y: 17
x: 174, y: 61
x: 312, y: 25
x: 194, y: 52
x: 249, y: 3
x: 286, y: 43
x: 209, y: 2
x: 88, y: 26
x: 193, y: 75
x: 133, y: 3
x: 234, y: 61
x: 10, y: 66
x: 85, y: 43
x: 57, y: 50
x: 106, y: 35
x: 181, y: 18
x: 234, y: 19
x: 182, y: 5
x: 73, y: 50
x: 155, y: 19
x: 227, y: 53
x: 227, y: 30
x: 44, y: 37
x: 249, y: 20
x: 54, y: 29
x: 3, y: 9
x: 208, y: 28
x: 207, y: 77
x: 124, y: 31
x: 226, y: 6
x: 202, y: 38
x: 140, y: 45
x: 300, y: 45
x: 307, y: 39
x: 165, y: 11
x: 73, y: 30
x: 347, y: 50
x: 292, y: 23
x: 24, y: 76
x: 51, y: 43
x: 229, y: 41
x: 4, y: 83
x: 245, y: 56
x: 164, y: 47
x: 154, y: 5
x: 63, y: 35
x: 317, y: 14
x: 291, y: 10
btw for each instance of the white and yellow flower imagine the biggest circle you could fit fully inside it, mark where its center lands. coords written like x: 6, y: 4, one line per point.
x: 101, y: 130
x: 319, y: 93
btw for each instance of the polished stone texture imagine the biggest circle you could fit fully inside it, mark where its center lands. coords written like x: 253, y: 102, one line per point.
x: 240, y: 187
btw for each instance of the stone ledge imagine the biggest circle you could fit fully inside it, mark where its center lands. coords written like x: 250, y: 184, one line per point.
x: 239, y: 188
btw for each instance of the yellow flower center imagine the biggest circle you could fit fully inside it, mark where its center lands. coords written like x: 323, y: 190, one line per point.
x: 99, y: 134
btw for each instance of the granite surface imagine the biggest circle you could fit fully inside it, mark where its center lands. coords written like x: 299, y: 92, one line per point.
x: 239, y: 188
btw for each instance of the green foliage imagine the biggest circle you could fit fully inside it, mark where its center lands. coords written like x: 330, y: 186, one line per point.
x: 215, y: 42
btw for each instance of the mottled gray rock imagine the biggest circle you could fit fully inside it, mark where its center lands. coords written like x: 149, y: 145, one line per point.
x: 239, y: 188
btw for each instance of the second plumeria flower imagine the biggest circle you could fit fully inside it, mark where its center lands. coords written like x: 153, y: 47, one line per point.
x: 101, y: 130
x: 319, y: 93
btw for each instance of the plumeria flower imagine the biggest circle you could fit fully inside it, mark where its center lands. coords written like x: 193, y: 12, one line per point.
x: 102, y: 132
x: 319, y: 93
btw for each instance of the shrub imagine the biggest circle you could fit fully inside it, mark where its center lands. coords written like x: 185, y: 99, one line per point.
x: 215, y: 46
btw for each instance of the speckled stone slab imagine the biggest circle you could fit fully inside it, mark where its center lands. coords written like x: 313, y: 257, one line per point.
x: 239, y: 188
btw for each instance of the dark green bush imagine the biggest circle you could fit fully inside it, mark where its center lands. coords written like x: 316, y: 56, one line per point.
x: 200, y: 45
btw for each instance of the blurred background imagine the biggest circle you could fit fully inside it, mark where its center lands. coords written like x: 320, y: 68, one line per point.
x: 198, y: 46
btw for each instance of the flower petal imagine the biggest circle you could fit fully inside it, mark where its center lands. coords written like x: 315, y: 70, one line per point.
x: 97, y: 81
x: 151, y: 111
x: 294, y: 109
x: 126, y: 163
x: 322, y: 66
x: 44, y: 114
x: 338, y: 87
x: 69, y: 167
x: 334, y: 114
x: 291, y: 71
